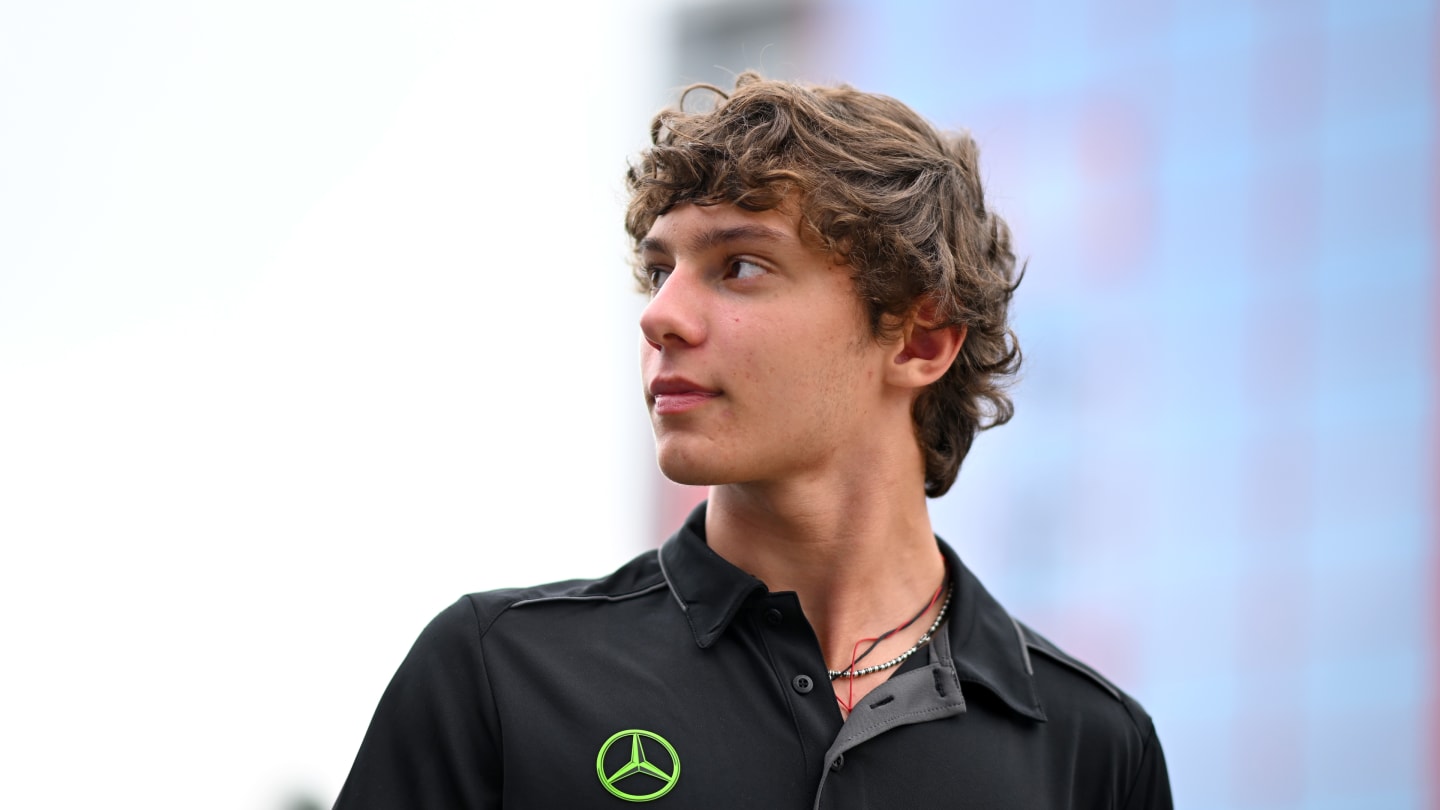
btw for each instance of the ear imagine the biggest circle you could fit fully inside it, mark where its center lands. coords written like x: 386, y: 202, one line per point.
x: 924, y: 352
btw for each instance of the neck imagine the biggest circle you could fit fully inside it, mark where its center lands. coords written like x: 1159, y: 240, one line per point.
x: 861, y: 560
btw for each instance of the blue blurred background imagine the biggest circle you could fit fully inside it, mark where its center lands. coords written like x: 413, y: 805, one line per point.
x: 1220, y: 483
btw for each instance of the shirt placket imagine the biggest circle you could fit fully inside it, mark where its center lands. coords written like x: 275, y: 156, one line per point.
x: 799, y: 670
x: 919, y: 695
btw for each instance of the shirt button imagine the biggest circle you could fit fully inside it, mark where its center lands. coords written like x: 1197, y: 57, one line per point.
x: 803, y: 684
x: 838, y: 763
x: 774, y: 616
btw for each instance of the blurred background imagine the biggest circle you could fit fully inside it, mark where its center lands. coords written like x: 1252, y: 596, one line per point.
x: 316, y: 315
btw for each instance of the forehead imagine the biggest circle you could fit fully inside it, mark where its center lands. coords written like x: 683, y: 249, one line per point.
x: 690, y: 228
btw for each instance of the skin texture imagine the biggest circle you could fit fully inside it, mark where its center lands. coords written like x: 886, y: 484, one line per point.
x: 773, y: 328
x: 764, y: 382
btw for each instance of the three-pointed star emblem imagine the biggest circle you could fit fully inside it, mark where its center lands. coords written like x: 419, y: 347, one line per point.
x: 637, y: 766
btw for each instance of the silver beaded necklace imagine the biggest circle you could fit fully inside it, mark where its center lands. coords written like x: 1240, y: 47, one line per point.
x: 899, y: 659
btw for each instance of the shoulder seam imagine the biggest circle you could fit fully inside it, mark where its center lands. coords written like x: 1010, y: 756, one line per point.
x: 484, y: 668
x: 589, y: 597
x: 605, y: 597
x: 1144, y: 752
x: 1043, y: 646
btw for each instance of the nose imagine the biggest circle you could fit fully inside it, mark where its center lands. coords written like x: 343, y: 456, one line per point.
x: 675, y: 315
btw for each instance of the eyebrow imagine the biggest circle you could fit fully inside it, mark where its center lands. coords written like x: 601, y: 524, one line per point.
x: 712, y: 237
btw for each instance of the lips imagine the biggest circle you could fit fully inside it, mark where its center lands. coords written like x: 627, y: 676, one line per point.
x: 675, y: 395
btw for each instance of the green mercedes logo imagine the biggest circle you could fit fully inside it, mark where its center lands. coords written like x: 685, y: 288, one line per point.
x: 638, y: 772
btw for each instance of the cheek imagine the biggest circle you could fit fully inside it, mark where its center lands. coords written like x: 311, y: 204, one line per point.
x: 649, y: 358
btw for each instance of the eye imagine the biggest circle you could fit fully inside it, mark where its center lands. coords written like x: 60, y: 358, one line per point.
x: 744, y: 269
x: 657, y: 278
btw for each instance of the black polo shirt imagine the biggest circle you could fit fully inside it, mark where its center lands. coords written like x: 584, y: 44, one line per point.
x: 680, y: 680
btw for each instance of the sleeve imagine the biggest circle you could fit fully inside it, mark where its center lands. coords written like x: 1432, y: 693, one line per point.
x: 1151, y: 788
x: 434, y: 740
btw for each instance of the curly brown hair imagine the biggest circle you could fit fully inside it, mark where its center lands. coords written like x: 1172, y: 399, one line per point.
x: 886, y: 193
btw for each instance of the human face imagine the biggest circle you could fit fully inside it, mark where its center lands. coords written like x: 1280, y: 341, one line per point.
x: 757, y: 362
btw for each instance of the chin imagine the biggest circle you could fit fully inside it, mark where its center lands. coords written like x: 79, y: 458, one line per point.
x: 691, y: 475
x: 689, y: 467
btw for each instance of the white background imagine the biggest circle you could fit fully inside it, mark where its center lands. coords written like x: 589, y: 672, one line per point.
x: 313, y: 317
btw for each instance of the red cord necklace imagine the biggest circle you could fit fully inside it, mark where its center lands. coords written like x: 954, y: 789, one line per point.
x: 850, y: 673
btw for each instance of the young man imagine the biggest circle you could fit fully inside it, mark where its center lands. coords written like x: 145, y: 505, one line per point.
x: 826, y: 332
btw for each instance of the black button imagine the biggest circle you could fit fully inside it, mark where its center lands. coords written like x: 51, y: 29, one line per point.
x: 803, y: 684
x: 774, y: 616
x: 838, y: 763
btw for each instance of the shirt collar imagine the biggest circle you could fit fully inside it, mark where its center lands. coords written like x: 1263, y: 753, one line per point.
x: 985, y: 642
x: 708, y: 587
